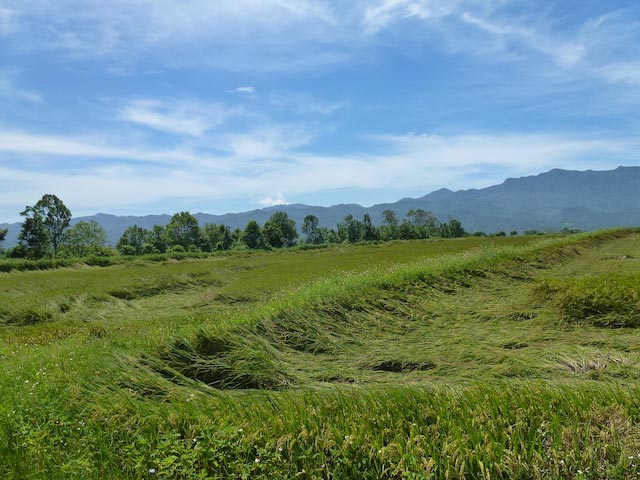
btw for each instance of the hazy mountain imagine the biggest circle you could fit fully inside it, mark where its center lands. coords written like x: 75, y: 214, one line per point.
x: 550, y: 201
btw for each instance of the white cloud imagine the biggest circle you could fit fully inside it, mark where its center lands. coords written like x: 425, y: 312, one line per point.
x: 180, y: 117
x: 291, y: 35
x: 379, y: 16
x: 565, y: 53
x: 7, y: 21
x: 9, y: 91
x: 238, y: 35
x: 621, y: 72
x: 248, y: 90
x: 411, y: 163
x: 52, y: 148
x: 303, y: 104
x: 272, y: 202
x: 267, y: 142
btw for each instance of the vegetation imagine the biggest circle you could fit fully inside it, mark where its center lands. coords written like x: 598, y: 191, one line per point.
x: 413, y: 359
x: 47, y: 233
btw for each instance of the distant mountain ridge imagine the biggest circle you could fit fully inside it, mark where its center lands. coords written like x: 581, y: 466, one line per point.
x: 587, y: 200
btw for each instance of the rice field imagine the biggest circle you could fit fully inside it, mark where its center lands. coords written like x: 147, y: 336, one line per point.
x: 481, y: 358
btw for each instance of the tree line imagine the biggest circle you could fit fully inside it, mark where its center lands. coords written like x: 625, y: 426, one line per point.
x: 46, y: 231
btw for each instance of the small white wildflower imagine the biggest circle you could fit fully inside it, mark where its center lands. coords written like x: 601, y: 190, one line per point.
x: 240, y: 430
x: 279, y: 449
x: 256, y: 460
x: 152, y: 471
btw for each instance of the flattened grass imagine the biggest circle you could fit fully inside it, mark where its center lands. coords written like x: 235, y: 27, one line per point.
x: 399, y: 364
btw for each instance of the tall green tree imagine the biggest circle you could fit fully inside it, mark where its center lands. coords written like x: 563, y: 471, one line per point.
x: 157, y: 238
x: 183, y: 230
x: 389, y: 218
x: 452, y: 229
x: 280, y: 231
x: 311, y: 229
x: 426, y: 223
x: 369, y: 231
x: 56, y: 218
x: 33, y: 238
x: 407, y: 231
x: 215, y: 237
x: 252, y: 235
x: 3, y: 234
x: 132, y: 240
x: 51, y: 215
x: 389, y: 230
x: 353, y: 229
x: 84, y: 238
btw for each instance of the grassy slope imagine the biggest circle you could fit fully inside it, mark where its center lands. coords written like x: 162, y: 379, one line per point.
x: 434, y: 367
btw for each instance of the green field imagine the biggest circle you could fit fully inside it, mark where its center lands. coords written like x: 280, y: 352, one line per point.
x: 510, y: 357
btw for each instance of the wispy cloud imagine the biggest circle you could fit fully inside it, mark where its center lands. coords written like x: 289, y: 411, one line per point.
x: 50, y: 148
x: 180, y: 117
x: 385, y: 12
x: 9, y: 91
x: 563, y: 52
x: 244, y: 90
x: 621, y: 72
x: 272, y: 142
x: 7, y: 20
x: 411, y: 163
x: 184, y: 34
x: 304, y: 104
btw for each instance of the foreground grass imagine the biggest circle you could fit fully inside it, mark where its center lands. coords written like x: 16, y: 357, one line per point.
x: 418, y: 366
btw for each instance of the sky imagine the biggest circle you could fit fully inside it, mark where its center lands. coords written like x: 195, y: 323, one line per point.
x: 136, y: 107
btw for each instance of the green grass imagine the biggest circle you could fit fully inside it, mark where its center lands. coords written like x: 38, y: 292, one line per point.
x: 449, y: 359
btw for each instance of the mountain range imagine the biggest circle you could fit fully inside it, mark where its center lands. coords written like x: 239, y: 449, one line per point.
x: 586, y: 200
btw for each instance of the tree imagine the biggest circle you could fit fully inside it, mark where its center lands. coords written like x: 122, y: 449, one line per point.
x: 311, y: 229
x: 157, y: 238
x: 280, y: 231
x: 132, y: 240
x: 226, y: 238
x: 332, y: 236
x: 389, y: 218
x: 407, y: 231
x: 452, y: 229
x: 252, y: 235
x: 390, y: 222
x: 351, y: 228
x: 3, y: 234
x: 455, y: 228
x: 33, y: 237
x: 369, y: 231
x: 425, y: 221
x: 84, y: 238
x: 215, y: 237
x: 44, y: 225
x: 183, y: 229
x: 56, y: 218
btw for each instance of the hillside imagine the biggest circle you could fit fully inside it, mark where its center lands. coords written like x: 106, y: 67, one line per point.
x: 587, y: 200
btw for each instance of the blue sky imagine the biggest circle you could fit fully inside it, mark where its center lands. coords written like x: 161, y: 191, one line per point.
x: 156, y: 106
